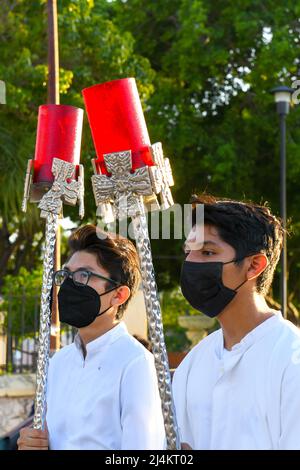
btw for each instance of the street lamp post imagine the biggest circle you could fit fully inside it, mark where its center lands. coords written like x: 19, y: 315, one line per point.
x: 282, y: 95
x: 2, y: 92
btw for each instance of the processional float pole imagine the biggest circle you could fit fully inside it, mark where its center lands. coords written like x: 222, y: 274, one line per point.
x: 129, y: 172
x: 53, y: 98
x: 53, y: 177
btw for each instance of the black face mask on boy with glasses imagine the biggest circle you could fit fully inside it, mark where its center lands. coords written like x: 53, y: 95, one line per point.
x: 79, y: 304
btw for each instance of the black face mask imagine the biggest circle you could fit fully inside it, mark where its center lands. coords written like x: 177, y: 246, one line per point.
x: 203, y: 288
x: 79, y: 306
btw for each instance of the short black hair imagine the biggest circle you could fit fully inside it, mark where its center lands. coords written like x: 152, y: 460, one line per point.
x: 249, y: 228
x: 114, y: 253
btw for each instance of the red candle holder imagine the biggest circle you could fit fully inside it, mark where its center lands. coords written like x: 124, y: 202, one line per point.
x: 117, y: 122
x: 58, y: 135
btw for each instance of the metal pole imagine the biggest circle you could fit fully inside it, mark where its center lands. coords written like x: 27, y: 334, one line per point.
x: 126, y: 191
x: 53, y: 56
x: 42, y: 362
x: 9, y: 343
x: 2, y: 92
x: 53, y: 98
x: 282, y: 120
x: 282, y: 96
x: 155, y: 327
x: 51, y: 207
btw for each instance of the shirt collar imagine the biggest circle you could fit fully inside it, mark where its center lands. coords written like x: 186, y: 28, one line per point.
x: 100, y: 343
x: 252, y: 337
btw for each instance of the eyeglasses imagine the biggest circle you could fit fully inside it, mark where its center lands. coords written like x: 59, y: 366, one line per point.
x: 80, y: 277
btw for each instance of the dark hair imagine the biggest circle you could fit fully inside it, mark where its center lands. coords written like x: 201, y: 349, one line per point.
x: 145, y: 342
x: 114, y: 253
x: 247, y: 227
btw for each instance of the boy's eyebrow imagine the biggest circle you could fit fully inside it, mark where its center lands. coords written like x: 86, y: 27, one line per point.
x: 87, y: 268
x: 210, y: 242
x: 205, y: 243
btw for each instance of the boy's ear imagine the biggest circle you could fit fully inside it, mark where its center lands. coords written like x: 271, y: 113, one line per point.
x: 121, y: 295
x: 258, y: 264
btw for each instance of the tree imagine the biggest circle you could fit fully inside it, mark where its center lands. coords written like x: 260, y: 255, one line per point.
x: 91, y: 50
x: 215, y: 62
x: 204, y: 70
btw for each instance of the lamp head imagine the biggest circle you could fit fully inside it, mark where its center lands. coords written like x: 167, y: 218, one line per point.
x: 282, y: 96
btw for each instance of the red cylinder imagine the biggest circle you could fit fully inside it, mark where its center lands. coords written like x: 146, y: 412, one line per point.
x: 58, y: 136
x: 117, y: 121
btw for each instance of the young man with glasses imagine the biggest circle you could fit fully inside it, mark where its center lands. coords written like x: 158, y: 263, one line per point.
x: 102, y: 390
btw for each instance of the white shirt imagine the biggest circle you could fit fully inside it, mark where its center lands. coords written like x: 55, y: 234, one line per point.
x: 109, y: 400
x: 248, y: 398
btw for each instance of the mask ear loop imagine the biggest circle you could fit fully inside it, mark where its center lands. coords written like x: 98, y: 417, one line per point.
x: 244, y: 282
x: 106, y: 292
x: 240, y: 259
x: 110, y: 290
x: 236, y: 261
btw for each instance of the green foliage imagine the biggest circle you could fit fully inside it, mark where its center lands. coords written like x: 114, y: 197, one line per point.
x: 204, y: 70
x: 174, y: 305
x: 21, y: 301
x: 91, y: 50
x: 215, y: 64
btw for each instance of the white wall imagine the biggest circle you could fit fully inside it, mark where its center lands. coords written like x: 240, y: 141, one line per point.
x: 135, y: 316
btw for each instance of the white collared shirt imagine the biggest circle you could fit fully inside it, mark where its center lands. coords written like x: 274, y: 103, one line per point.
x: 247, y: 398
x: 109, y: 400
